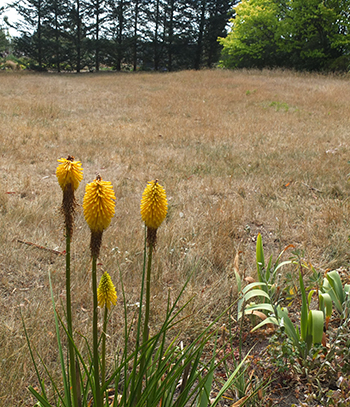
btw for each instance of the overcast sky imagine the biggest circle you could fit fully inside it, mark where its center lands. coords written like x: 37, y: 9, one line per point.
x: 12, y: 17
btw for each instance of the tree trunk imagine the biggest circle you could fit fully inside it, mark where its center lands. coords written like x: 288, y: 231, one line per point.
x: 170, y: 35
x: 120, y: 34
x: 97, y: 32
x: 57, y: 35
x: 135, y: 34
x: 39, y: 37
x: 155, y: 43
x: 198, y: 57
x: 78, y: 36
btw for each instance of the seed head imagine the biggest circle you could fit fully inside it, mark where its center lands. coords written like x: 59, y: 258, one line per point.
x: 106, y: 294
x: 154, y: 205
x: 69, y: 172
x: 99, y: 204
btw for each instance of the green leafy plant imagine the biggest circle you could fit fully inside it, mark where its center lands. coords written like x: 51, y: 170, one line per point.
x: 247, y: 388
x: 326, y: 305
x: 269, y: 273
x: 282, y: 352
x: 311, y: 324
x: 339, y: 349
x: 333, y: 286
x: 266, y: 289
x: 310, y: 331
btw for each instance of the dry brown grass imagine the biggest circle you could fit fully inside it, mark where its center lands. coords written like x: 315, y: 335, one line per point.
x: 238, y: 153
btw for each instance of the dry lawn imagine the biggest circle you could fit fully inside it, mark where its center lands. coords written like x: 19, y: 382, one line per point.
x: 238, y: 153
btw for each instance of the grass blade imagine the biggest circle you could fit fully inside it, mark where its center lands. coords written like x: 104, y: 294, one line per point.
x: 64, y: 375
x: 39, y: 397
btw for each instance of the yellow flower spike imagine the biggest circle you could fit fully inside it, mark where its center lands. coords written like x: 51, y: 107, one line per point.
x: 69, y: 172
x: 106, y: 294
x: 98, y: 204
x: 154, y: 205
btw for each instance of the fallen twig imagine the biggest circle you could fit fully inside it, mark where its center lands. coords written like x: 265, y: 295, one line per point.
x: 312, y: 188
x: 42, y: 247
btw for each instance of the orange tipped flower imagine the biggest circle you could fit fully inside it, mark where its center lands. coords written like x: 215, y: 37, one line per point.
x: 154, y: 205
x: 99, y: 204
x: 106, y: 294
x: 69, y: 172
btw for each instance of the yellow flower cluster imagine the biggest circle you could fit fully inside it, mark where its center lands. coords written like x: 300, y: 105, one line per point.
x: 69, y: 172
x: 99, y: 204
x: 154, y: 205
x: 106, y: 294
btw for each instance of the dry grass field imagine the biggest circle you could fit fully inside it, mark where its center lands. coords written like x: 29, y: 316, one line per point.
x: 238, y: 153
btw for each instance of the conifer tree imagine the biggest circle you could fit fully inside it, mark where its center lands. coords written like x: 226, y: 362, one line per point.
x: 33, y: 15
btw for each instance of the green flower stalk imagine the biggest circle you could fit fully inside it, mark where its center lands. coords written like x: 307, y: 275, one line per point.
x: 69, y: 174
x: 106, y: 296
x: 99, y: 208
x: 153, y: 210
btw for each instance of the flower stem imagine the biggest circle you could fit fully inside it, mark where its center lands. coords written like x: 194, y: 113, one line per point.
x: 103, y: 354
x: 148, y: 294
x: 145, y: 335
x: 72, y: 369
x: 97, y: 400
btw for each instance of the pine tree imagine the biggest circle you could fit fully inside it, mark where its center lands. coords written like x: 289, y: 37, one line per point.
x: 34, y: 17
x: 218, y: 17
x: 135, y: 32
x: 95, y: 10
x: 55, y: 31
x: 201, y: 27
x: 4, y: 41
x: 120, y: 32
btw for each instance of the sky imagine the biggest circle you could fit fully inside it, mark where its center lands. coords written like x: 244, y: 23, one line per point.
x: 12, y: 17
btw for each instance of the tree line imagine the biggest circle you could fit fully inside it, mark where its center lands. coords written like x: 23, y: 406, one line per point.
x: 121, y: 34
x: 299, y: 34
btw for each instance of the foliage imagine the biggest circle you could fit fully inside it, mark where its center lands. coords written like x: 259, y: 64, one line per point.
x: 282, y: 352
x: 270, y: 311
x: 252, y: 41
x: 327, y: 370
x: 339, y: 350
x: 268, y: 286
x: 4, y: 41
x: 310, y: 331
x: 299, y: 34
x: 333, y: 286
x: 133, y: 34
x: 247, y: 386
x: 311, y: 325
x: 303, y: 348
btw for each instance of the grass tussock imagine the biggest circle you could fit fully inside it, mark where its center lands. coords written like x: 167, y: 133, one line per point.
x: 239, y: 153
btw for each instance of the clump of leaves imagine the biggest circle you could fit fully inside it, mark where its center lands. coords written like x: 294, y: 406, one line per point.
x: 327, y: 368
x: 282, y: 353
x: 340, y: 397
x: 268, y: 291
